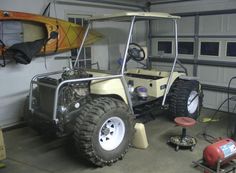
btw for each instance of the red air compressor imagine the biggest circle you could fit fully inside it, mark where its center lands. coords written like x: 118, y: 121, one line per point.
x: 224, y: 150
x: 217, y: 154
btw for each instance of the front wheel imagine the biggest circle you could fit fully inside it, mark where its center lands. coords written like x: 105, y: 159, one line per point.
x: 186, y: 99
x: 104, y: 130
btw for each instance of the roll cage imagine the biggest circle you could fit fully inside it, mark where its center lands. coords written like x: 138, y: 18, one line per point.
x: 131, y: 17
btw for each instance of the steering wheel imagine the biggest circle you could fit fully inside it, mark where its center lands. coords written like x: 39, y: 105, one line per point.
x: 136, y: 52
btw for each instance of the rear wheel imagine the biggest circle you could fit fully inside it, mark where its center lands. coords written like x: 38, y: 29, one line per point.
x: 185, y: 99
x: 104, y: 130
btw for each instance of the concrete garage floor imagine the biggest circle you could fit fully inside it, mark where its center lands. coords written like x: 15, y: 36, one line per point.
x: 29, y: 152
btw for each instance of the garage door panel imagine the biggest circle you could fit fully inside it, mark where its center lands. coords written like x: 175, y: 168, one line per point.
x: 208, y: 74
x: 228, y: 73
x: 154, y: 47
x: 210, y: 99
x: 231, y: 24
x: 218, y: 24
x: 211, y: 25
x: 216, y: 75
x: 189, y: 69
x: 232, y: 104
x: 161, y: 66
x: 186, y: 26
x: 215, y: 99
x: 162, y: 27
x: 165, y: 27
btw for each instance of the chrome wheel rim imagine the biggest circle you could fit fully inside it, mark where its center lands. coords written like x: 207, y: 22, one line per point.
x: 193, y: 102
x: 111, y: 133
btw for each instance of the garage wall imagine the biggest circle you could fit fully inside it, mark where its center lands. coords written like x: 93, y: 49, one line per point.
x: 15, y: 78
x: 213, y: 25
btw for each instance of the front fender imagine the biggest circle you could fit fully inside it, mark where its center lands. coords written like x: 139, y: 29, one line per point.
x: 109, y: 87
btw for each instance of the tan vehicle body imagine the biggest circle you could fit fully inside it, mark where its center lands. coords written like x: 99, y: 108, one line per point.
x: 156, y: 88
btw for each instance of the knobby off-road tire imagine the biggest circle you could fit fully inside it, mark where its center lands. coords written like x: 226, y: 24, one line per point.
x: 185, y: 99
x: 28, y: 117
x: 103, y: 130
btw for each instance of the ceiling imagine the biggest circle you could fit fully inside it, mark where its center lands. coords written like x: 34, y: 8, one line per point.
x: 153, y: 1
x: 129, y: 3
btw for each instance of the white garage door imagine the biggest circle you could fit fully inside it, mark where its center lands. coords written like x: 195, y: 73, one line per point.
x: 213, y: 43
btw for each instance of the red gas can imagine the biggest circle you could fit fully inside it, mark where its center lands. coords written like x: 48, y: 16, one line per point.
x: 224, y: 150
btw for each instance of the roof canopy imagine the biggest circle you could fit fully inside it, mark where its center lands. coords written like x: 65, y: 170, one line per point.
x: 125, y: 16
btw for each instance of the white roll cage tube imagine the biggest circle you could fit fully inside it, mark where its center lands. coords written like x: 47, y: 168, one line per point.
x: 121, y: 75
x: 175, y: 60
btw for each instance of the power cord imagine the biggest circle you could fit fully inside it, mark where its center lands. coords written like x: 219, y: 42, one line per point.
x: 229, y: 131
x: 205, y: 134
x: 209, y: 138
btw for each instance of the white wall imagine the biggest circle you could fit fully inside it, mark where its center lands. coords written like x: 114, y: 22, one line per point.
x: 208, y: 25
x: 15, y: 78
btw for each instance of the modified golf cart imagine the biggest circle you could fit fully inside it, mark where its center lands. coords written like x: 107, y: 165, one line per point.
x: 98, y: 107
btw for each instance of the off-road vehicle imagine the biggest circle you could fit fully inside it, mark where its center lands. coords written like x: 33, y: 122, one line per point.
x: 98, y: 108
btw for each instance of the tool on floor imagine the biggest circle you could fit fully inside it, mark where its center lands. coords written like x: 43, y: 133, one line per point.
x: 183, y: 141
x: 2, y: 165
x: 218, y: 157
x: 208, y: 119
x: 140, y: 137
